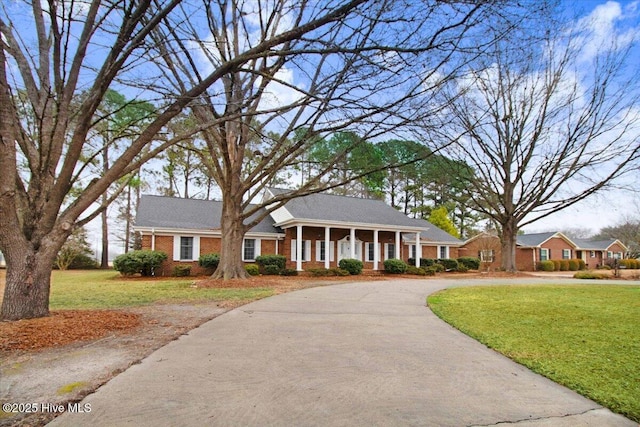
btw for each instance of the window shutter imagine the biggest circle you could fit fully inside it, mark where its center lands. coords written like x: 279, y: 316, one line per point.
x: 196, y: 248
x: 258, y: 247
x: 307, y: 250
x: 319, y: 250
x: 294, y: 246
x: 176, y: 248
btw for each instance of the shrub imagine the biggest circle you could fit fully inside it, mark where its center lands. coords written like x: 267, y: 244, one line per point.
x: 143, y: 262
x: 462, y: 268
x: 83, y: 262
x: 556, y: 264
x: 320, y: 272
x: 353, y: 266
x: 469, y: 262
x: 209, y: 261
x: 272, y: 269
x: 395, y: 266
x: 588, y: 275
x: 628, y: 263
x: 289, y: 272
x: 339, y: 272
x: 271, y: 264
x: 546, y: 266
x: 604, y: 267
x: 412, y: 269
x: 582, y: 264
x: 564, y: 265
x: 574, y: 265
x: 252, y: 269
x: 449, y: 264
x: 432, y: 270
x: 182, y: 270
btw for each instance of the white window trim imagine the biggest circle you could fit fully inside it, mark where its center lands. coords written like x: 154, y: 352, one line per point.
x: 319, y: 250
x: 446, y: 252
x: 568, y: 252
x: 386, y: 251
x: 306, y: 249
x: 487, y: 255
x: 546, y: 252
x: 256, y: 252
x: 176, y: 248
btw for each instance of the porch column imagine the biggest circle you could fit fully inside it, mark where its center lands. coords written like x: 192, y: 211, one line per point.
x: 418, y: 249
x: 327, y: 247
x: 397, y: 245
x: 352, y: 243
x: 299, y: 243
x: 376, y: 250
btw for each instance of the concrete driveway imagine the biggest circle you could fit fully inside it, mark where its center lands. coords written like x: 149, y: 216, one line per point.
x: 358, y: 354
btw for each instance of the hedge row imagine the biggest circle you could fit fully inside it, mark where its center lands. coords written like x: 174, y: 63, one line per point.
x: 562, y: 265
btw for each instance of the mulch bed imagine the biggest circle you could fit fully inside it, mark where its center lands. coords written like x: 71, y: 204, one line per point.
x: 64, y: 327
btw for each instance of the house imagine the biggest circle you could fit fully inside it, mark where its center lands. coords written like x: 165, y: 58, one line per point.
x: 533, y: 248
x: 3, y: 263
x: 322, y: 228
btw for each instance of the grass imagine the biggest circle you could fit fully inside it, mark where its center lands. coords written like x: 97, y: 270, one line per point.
x: 97, y: 289
x: 586, y: 337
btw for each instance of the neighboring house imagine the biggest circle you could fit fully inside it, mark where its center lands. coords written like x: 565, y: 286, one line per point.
x: 533, y: 248
x: 2, y: 261
x: 321, y: 228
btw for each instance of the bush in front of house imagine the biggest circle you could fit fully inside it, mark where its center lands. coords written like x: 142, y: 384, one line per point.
x: 432, y: 270
x: 209, y: 261
x: 564, y: 265
x: 252, y: 269
x: 271, y: 264
x: 395, y: 266
x: 289, y: 272
x: 182, y: 270
x: 546, y: 266
x: 556, y: 264
x: 574, y: 265
x: 449, y: 264
x: 417, y: 271
x: 632, y: 264
x: 142, y: 262
x: 471, y: 263
x: 424, y: 262
x: 353, y: 266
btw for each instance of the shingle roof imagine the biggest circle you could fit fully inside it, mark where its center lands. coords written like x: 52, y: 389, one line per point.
x: 534, y: 240
x: 596, y: 245
x: 192, y: 214
x: 435, y: 234
x: 330, y: 207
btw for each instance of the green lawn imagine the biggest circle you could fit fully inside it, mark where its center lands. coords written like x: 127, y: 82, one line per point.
x: 586, y: 337
x: 96, y: 289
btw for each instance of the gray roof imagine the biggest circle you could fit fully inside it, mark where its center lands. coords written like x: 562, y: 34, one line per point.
x: 191, y: 214
x: 534, y: 240
x: 330, y: 207
x: 595, y: 245
x: 435, y: 234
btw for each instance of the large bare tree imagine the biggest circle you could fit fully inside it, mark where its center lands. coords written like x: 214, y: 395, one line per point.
x: 364, y: 73
x: 548, y: 120
x: 58, y: 59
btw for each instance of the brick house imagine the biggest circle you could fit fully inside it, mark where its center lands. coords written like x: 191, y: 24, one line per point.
x: 322, y: 228
x: 533, y: 248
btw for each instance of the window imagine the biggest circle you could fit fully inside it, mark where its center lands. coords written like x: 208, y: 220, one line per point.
x: 609, y: 254
x: 544, y: 254
x: 593, y: 254
x: 321, y: 250
x: 306, y: 250
x: 249, y: 251
x: 486, y: 255
x: 443, y: 252
x: 370, y: 252
x: 566, y: 254
x: 186, y: 248
x: 412, y: 251
x: 617, y: 255
x: 390, y: 250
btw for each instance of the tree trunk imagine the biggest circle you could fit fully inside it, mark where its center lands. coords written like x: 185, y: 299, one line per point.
x: 28, y: 280
x: 231, y: 265
x: 104, y: 261
x: 509, y: 238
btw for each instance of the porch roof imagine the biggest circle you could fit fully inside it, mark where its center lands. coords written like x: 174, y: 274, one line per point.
x: 343, y: 211
x: 596, y: 245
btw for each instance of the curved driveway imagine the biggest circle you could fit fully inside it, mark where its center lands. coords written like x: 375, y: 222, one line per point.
x: 357, y: 354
